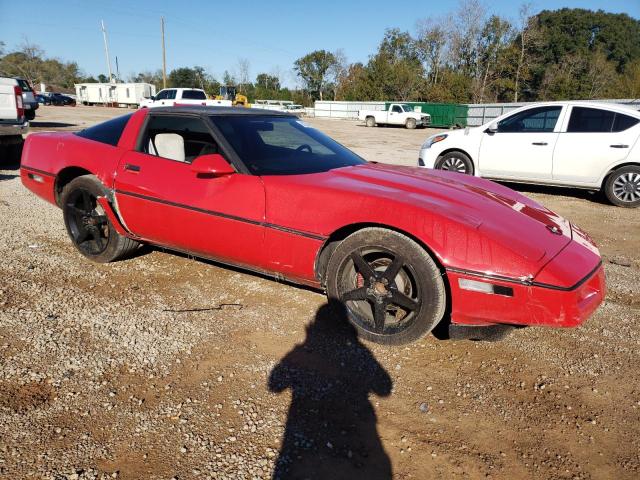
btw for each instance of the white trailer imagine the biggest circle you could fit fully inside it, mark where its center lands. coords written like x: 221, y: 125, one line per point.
x: 119, y: 94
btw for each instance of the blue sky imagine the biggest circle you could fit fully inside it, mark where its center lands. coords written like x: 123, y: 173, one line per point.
x: 214, y: 35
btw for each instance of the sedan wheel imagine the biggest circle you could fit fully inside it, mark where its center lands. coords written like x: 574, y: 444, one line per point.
x: 623, y: 187
x: 392, y: 289
x: 455, y: 162
x: 87, y: 223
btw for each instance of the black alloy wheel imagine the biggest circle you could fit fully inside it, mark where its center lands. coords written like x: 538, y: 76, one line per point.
x: 391, y: 288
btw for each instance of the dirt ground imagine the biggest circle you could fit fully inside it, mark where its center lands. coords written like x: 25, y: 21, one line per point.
x: 164, y: 366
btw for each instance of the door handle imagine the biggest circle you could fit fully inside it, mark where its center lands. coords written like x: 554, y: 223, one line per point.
x: 541, y: 144
x: 619, y: 145
x: 133, y: 168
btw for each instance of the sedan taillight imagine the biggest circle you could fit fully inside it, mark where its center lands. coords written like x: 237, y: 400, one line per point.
x: 19, y: 104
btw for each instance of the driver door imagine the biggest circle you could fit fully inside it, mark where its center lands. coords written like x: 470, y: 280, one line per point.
x: 162, y: 200
x: 522, y: 147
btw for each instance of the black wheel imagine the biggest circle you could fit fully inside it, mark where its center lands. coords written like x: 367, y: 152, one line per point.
x: 391, y: 288
x: 30, y: 114
x: 370, y: 122
x: 622, y: 187
x: 410, y: 123
x: 455, y: 162
x: 87, y: 224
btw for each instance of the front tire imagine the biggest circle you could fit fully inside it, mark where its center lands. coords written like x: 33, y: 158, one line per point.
x: 391, y: 288
x: 622, y: 187
x: 87, y: 224
x: 455, y: 162
x: 410, y: 123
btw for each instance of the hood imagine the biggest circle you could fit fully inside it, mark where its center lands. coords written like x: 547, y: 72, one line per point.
x: 522, y: 226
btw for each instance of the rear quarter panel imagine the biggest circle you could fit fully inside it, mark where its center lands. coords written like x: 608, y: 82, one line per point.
x: 48, y: 154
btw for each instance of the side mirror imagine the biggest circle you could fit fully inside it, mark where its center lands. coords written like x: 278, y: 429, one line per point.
x: 493, y: 127
x: 212, y: 165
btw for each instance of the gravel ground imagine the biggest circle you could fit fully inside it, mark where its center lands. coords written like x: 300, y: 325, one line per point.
x: 164, y: 366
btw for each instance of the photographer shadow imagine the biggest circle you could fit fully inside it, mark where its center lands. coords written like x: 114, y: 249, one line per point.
x: 331, y: 426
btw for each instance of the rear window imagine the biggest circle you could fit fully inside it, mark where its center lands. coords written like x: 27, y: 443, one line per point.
x: 593, y: 120
x: 193, y: 95
x: 108, y: 132
x: 24, y: 85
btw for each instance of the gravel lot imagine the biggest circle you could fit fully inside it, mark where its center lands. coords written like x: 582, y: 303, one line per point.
x: 163, y: 366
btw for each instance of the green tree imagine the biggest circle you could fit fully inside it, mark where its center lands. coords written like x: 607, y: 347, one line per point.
x: 314, y: 69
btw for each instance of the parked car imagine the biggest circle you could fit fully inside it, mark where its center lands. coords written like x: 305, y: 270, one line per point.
x: 13, y: 122
x: 29, y: 103
x: 43, y: 99
x: 398, y: 246
x: 181, y: 96
x: 573, y: 144
x: 396, y: 114
x: 60, y: 99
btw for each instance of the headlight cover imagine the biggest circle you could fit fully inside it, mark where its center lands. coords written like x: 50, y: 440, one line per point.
x: 435, y: 139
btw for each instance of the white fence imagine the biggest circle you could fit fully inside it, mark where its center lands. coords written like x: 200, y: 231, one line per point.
x: 329, y: 109
x: 480, y: 113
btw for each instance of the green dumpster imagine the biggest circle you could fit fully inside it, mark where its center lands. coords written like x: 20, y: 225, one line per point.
x: 443, y: 115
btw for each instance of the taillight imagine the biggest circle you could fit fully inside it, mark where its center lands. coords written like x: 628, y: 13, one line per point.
x: 19, y: 104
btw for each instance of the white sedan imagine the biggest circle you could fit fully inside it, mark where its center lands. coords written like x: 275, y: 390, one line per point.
x: 574, y: 144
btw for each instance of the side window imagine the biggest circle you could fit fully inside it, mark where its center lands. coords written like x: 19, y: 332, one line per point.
x: 171, y: 94
x: 534, y: 120
x: 193, y: 95
x: 162, y: 94
x: 623, y: 122
x: 179, y: 138
x: 584, y: 119
x: 108, y: 132
x: 396, y: 109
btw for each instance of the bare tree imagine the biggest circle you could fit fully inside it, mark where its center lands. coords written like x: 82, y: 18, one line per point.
x: 243, y: 73
x: 338, y: 71
x: 432, y: 42
x: 465, y: 37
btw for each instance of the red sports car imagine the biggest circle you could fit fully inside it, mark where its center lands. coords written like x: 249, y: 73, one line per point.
x: 401, y: 248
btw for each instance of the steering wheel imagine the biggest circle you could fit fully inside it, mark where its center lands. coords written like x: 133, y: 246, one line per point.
x: 304, y: 146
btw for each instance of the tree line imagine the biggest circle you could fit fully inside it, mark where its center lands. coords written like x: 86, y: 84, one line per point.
x: 468, y: 56
x: 471, y: 56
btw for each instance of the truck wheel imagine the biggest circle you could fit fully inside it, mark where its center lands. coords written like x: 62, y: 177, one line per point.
x: 622, y: 188
x: 410, y: 123
x: 29, y: 114
x: 455, y: 162
x: 391, y: 288
x: 87, y: 224
x: 370, y: 122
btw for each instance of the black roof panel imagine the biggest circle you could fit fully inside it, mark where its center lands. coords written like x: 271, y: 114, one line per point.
x: 210, y: 110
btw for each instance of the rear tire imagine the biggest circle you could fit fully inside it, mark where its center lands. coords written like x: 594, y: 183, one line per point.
x: 622, y: 187
x: 455, y: 162
x: 410, y: 123
x: 391, y: 288
x: 87, y: 224
x: 370, y: 122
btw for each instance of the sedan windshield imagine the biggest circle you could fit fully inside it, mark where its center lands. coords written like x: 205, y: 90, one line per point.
x: 272, y: 145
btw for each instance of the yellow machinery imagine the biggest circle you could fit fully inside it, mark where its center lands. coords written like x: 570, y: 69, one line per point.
x: 228, y: 92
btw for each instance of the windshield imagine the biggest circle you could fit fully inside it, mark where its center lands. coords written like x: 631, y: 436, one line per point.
x: 271, y: 145
x: 407, y: 108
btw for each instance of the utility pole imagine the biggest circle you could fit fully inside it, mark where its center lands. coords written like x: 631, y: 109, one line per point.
x: 106, y: 49
x: 164, y: 57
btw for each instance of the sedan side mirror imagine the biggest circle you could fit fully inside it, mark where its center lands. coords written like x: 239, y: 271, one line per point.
x: 493, y: 127
x: 211, y: 165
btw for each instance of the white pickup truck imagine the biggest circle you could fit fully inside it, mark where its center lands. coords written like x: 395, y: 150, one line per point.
x: 397, y: 114
x: 181, y: 96
x: 13, y: 123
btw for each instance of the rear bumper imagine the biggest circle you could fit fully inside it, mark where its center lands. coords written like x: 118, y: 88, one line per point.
x: 11, y: 130
x: 522, y: 303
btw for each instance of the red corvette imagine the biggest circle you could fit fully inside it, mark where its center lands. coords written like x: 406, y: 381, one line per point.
x: 401, y: 248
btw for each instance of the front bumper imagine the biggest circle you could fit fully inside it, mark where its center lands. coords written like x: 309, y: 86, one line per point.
x: 427, y: 158
x: 526, y: 303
